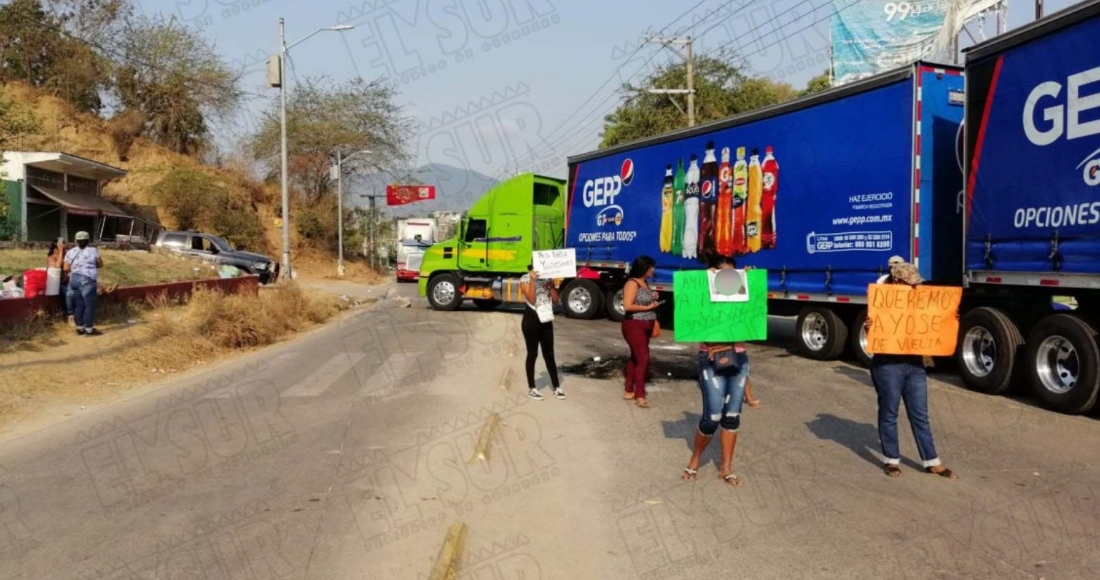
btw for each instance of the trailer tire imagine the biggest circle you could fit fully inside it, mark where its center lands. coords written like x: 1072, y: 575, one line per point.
x: 821, y: 334
x: 988, y: 350
x: 1063, y: 359
x: 583, y: 299
x: 614, y: 302
x: 857, y: 335
x: 486, y: 304
x: 443, y: 292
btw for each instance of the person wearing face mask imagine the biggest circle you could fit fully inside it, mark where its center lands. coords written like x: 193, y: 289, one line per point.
x: 82, y: 263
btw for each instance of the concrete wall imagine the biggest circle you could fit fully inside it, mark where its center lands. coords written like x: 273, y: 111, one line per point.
x: 14, y: 310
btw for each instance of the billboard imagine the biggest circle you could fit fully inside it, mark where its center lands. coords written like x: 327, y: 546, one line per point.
x: 403, y: 194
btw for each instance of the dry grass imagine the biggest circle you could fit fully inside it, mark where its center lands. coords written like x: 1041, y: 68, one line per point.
x: 43, y: 362
x: 120, y: 268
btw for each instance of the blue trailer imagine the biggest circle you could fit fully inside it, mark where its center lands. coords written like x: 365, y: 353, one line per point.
x: 841, y: 181
x: 1032, y: 210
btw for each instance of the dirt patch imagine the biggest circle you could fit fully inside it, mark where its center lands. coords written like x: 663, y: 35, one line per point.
x: 613, y: 367
x: 45, y: 363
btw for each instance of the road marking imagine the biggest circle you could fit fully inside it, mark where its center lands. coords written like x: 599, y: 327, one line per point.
x: 325, y: 376
x: 485, y: 441
x: 450, y: 553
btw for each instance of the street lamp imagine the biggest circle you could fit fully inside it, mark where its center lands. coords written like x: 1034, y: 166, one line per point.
x: 283, y: 49
x: 339, y: 168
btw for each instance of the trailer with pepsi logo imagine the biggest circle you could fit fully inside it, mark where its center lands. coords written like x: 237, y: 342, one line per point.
x: 820, y: 191
x: 1032, y: 211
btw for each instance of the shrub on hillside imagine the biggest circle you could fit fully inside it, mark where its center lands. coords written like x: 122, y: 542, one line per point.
x: 188, y: 196
x: 124, y: 129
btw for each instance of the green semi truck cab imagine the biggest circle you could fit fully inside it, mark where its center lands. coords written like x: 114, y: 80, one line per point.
x: 493, y: 244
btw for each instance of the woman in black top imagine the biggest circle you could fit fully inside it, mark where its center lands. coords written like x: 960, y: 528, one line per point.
x: 538, y: 329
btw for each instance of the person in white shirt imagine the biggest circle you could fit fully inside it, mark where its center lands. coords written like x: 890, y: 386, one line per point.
x: 82, y: 263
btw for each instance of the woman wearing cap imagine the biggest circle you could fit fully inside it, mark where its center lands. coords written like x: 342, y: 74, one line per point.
x: 900, y: 378
x: 83, y: 263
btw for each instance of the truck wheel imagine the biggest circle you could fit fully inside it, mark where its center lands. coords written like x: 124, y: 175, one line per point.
x: 1062, y: 357
x: 583, y: 299
x: 822, y: 335
x: 486, y: 304
x: 614, y: 302
x: 443, y: 292
x: 858, y: 339
x: 989, y: 344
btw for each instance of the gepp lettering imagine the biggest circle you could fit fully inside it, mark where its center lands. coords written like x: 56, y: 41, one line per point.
x: 602, y: 190
x: 1063, y: 118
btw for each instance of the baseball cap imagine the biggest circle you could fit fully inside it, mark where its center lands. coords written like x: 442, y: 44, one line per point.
x: 81, y: 235
x: 906, y: 273
x: 895, y: 260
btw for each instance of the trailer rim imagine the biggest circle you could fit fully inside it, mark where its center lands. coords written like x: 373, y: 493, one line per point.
x: 1052, y: 356
x: 979, y: 351
x: 580, y: 299
x: 815, y: 331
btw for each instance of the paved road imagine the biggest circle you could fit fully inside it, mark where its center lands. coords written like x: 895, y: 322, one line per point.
x: 346, y: 454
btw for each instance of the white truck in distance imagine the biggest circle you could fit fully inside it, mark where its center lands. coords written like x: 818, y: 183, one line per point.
x: 414, y: 235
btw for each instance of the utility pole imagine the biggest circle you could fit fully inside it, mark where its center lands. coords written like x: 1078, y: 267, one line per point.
x: 687, y: 56
x: 1038, y: 9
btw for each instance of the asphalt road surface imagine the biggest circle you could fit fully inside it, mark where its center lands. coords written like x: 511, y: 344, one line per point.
x: 349, y: 452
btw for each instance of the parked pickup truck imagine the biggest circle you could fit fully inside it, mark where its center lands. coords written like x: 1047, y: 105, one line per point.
x: 212, y: 249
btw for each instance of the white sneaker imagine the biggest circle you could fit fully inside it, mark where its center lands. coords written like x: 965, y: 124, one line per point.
x: 559, y: 393
x: 534, y: 394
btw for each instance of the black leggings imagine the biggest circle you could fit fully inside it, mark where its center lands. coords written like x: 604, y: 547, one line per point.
x: 535, y: 333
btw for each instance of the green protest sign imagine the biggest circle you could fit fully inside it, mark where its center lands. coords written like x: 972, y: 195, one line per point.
x: 709, y: 313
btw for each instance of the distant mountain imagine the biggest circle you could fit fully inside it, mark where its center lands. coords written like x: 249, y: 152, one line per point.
x: 456, y: 189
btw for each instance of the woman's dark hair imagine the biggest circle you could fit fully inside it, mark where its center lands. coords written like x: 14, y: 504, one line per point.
x: 53, y: 248
x: 716, y: 261
x: 640, y: 267
x: 530, y: 267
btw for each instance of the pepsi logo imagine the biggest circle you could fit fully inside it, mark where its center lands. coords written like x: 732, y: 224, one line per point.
x: 708, y: 188
x: 627, y: 171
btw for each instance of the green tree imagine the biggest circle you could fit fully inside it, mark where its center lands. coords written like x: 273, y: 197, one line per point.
x: 189, y: 196
x: 175, y: 80
x: 323, y: 118
x: 721, y: 90
x: 41, y: 45
x: 817, y: 84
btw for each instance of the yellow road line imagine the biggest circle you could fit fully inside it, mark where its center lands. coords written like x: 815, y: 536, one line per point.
x: 450, y: 554
x: 506, y: 379
x: 486, y: 439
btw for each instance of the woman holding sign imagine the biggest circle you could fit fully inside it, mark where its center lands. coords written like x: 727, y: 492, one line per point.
x: 900, y: 378
x: 538, y: 329
x: 723, y: 375
x: 640, y: 304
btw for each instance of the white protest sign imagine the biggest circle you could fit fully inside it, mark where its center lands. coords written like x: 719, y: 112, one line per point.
x: 556, y: 263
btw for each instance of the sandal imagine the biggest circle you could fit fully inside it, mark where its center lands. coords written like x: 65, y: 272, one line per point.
x: 732, y: 479
x: 642, y: 403
x: 689, y: 474
x: 945, y: 472
x: 892, y: 470
x: 755, y: 403
x: 628, y: 396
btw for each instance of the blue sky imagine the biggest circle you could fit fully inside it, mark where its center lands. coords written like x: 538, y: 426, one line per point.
x: 501, y: 85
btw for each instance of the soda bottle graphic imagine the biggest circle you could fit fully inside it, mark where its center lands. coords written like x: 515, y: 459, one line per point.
x: 708, y: 200
x: 740, y: 199
x: 771, y: 188
x: 666, y: 211
x: 691, y: 210
x: 678, y: 209
x: 752, y: 212
x: 723, y: 218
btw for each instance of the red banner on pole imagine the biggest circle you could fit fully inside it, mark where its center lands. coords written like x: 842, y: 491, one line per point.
x: 402, y: 194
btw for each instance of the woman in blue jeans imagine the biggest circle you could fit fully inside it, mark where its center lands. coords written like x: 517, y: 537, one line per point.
x: 900, y: 378
x: 723, y: 391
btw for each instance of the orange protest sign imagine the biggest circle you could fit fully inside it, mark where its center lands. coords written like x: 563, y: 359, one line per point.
x: 913, y: 320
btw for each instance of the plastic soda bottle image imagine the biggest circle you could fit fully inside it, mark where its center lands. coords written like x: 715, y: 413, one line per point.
x: 723, y: 216
x: 678, y: 209
x: 771, y: 188
x: 691, y: 210
x: 666, y: 211
x: 708, y: 200
x: 753, y: 210
x: 740, y: 201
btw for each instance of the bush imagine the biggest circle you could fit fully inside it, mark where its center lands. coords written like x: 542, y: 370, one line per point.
x: 188, y: 196
x: 124, y: 129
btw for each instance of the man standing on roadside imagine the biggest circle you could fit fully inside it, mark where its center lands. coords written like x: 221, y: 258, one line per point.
x: 83, y: 264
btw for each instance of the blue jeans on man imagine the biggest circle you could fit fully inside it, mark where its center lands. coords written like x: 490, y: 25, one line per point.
x: 81, y: 298
x: 897, y: 379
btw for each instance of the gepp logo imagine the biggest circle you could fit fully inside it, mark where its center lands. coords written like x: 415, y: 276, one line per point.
x: 602, y: 191
x: 1091, y: 168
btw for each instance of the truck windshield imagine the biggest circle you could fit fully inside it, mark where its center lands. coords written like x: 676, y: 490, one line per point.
x: 412, y: 243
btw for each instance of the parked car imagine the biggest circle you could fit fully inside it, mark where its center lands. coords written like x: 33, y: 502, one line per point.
x: 212, y: 249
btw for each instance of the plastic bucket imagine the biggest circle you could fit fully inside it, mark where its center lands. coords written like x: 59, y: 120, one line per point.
x: 53, y: 281
x: 34, y: 282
